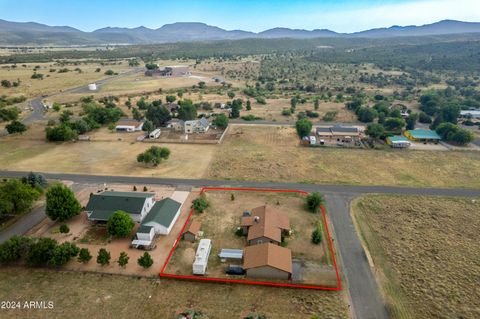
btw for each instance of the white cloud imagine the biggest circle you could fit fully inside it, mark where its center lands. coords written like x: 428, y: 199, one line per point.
x: 409, y: 13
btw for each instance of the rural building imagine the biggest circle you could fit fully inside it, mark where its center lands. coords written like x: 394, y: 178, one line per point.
x: 339, y: 132
x: 199, y: 266
x: 398, y: 141
x: 230, y: 254
x: 162, y: 216
x: 176, y: 125
x: 128, y: 125
x: 144, y: 237
x: 197, y: 126
x: 102, y: 205
x: 471, y: 114
x: 172, y: 107
x: 422, y: 135
x: 191, y: 234
x: 268, y: 261
x: 265, y: 225
x: 179, y: 70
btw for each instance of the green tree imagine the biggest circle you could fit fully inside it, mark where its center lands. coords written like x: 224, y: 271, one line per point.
x: 154, y: 155
x: 145, y: 260
x: 63, y: 253
x: 394, y: 123
x: 231, y: 94
x: 221, y: 120
x: 14, y: 249
x: 123, y: 259
x: 60, y: 133
x: 375, y: 130
x: 16, y: 197
x: 304, y: 127
x: 120, y: 224
x: 84, y: 255
x: 16, y: 127
x: 462, y: 137
x: 200, y: 204
x: 249, y: 105
x: 65, y: 116
x: 61, y: 203
x: 103, y: 257
x: 187, y: 111
x: 316, y: 104
x: 40, y: 252
x: 148, y: 126
x: 171, y: 98
x: 366, y: 114
x: 158, y: 115
x: 411, y: 121
x: 314, y: 201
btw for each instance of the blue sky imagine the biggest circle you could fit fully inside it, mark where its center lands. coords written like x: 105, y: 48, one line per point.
x: 251, y: 15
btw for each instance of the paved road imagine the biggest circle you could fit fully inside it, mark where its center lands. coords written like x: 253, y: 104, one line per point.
x: 361, y: 284
x: 362, y: 287
x: 24, y: 225
x: 276, y: 123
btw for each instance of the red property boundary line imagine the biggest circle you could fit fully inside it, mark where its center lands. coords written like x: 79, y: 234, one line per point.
x: 246, y: 281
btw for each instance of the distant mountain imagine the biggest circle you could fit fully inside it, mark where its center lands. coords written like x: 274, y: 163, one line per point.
x: 31, y: 33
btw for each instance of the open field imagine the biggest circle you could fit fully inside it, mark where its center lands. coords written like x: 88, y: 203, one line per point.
x: 273, y: 154
x: 31, y: 152
x: 54, y: 82
x: 221, y: 219
x: 425, y: 252
x: 86, y: 295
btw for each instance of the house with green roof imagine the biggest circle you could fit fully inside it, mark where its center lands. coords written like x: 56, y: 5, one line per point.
x: 102, y: 205
x: 422, y: 135
x: 163, y: 216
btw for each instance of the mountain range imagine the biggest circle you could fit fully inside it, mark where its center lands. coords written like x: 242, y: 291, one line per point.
x: 32, y: 33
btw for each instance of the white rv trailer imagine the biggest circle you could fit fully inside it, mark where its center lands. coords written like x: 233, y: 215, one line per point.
x: 201, y: 257
x: 154, y: 134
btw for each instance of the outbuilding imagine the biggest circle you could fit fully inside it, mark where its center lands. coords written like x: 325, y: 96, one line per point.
x: 398, y: 141
x: 144, y: 237
x: 128, y: 125
x: 422, y: 135
x: 191, y: 234
x: 163, y: 216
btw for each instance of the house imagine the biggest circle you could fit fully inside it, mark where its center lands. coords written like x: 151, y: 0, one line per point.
x: 162, y: 216
x: 102, y: 205
x: 470, y: 114
x: 176, y: 125
x: 144, y: 237
x: 197, y: 126
x: 191, y: 234
x: 422, y: 135
x: 199, y: 266
x: 128, y: 125
x: 339, y: 132
x: 265, y: 225
x: 268, y: 261
x: 398, y: 141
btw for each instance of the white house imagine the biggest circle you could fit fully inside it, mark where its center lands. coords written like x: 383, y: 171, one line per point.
x: 128, y: 125
x: 199, y: 266
x: 197, y: 126
x: 163, y: 216
x: 102, y: 205
x: 474, y: 114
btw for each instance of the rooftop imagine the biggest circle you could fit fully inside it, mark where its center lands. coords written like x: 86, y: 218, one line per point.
x: 103, y: 205
x: 268, y: 254
x: 265, y: 221
x: 423, y: 133
x: 163, y: 212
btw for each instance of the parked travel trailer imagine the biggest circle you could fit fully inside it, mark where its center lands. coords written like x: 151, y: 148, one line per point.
x: 201, y: 257
x: 154, y: 134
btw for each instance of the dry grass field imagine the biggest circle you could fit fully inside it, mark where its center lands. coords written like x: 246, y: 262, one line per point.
x: 221, y: 219
x: 86, y: 295
x: 273, y: 154
x: 55, y: 82
x: 31, y: 152
x: 425, y: 251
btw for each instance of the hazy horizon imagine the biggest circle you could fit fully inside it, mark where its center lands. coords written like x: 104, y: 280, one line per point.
x: 344, y: 16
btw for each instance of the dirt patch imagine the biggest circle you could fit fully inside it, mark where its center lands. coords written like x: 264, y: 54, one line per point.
x: 425, y: 251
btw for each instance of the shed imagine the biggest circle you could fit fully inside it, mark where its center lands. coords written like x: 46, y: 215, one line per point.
x: 191, y: 234
x: 235, y: 254
x: 398, y: 141
x: 143, y: 237
x: 163, y: 216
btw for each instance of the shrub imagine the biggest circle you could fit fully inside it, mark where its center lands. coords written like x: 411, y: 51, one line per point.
x: 14, y: 249
x: 84, y: 255
x: 314, y: 201
x: 63, y: 253
x: 317, y: 236
x: 200, y: 204
x: 123, y: 259
x: 16, y: 127
x: 64, y: 229
x: 103, y: 257
x: 153, y: 155
x: 145, y: 260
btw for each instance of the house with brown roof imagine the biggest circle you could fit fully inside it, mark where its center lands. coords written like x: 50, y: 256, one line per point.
x: 268, y: 261
x: 265, y: 225
x: 128, y: 125
x: 191, y: 234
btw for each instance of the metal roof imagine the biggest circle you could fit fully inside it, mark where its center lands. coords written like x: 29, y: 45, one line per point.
x: 397, y: 138
x: 231, y: 253
x: 103, y: 205
x: 424, y: 134
x: 162, y: 212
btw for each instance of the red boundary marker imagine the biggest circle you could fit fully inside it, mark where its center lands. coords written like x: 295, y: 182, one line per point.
x: 246, y: 281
